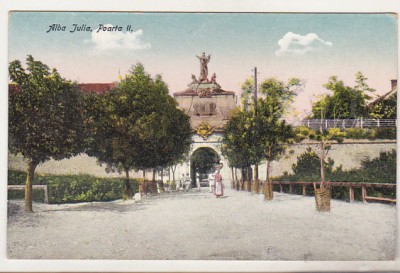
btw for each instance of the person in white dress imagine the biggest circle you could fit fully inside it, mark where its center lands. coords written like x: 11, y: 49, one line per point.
x: 218, y: 185
x: 211, y: 182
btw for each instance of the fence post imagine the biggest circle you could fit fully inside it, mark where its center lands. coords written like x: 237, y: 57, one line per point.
x: 364, y: 193
x: 290, y: 188
x: 361, y: 123
x: 326, y: 124
x: 308, y: 123
x: 351, y: 194
x: 304, y: 190
x: 343, y: 124
x: 379, y: 123
x: 280, y: 187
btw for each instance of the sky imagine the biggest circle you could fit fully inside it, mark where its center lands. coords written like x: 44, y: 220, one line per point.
x: 311, y: 47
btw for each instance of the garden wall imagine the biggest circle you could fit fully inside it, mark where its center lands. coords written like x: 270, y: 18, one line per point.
x: 348, y: 154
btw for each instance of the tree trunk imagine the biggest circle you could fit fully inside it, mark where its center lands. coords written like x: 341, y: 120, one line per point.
x: 162, y: 180
x: 128, y: 190
x: 237, y: 187
x: 144, y: 174
x: 233, y: 179
x: 249, y: 179
x: 322, y: 159
x: 256, y: 181
x: 268, y: 169
x: 173, y: 176
x: 28, y: 185
x: 154, y: 175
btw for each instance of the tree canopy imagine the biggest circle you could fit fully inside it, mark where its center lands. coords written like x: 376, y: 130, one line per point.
x: 345, y: 101
x: 45, y: 117
x: 259, y: 132
x: 137, y: 125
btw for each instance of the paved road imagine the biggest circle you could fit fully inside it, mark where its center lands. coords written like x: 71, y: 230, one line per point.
x: 182, y: 226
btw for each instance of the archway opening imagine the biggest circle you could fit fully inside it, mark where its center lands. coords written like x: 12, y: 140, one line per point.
x: 202, y: 162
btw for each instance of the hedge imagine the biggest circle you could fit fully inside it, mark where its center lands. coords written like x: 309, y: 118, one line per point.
x: 370, y: 133
x: 37, y: 195
x: 73, y: 188
x: 381, y: 169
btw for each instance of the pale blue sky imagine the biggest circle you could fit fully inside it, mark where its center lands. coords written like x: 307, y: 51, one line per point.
x: 166, y: 43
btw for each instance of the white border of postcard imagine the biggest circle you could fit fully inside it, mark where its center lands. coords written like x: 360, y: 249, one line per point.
x: 348, y: 6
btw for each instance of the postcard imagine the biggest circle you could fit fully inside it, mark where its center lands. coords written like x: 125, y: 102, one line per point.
x: 199, y: 138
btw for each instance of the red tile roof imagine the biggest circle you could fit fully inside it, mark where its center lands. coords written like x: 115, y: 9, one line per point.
x: 98, y: 88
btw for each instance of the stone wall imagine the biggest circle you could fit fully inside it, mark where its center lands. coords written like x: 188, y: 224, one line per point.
x: 348, y: 154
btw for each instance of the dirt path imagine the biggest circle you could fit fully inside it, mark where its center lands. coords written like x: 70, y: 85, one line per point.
x: 196, y: 226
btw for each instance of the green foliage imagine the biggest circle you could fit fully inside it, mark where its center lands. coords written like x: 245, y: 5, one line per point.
x: 259, y: 132
x: 137, y: 125
x: 16, y: 177
x: 73, y: 188
x: 385, y: 133
x: 247, y: 92
x: 370, y: 133
x: 37, y: 195
x: 345, y: 101
x: 308, y: 165
x: 359, y: 133
x: 386, y: 108
x: 203, y: 160
x: 237, y: 140
x: 381, y: 169
x: 85, y: 188
x: 45, y: 117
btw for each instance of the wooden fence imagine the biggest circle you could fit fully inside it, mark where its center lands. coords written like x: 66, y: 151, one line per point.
x: 350, y: 185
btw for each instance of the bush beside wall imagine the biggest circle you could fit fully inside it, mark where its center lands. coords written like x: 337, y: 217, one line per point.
x: 73, y: 188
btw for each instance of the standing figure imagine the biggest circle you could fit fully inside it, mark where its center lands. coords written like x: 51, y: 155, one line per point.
x: 218, y: 185
x: 203, y: 66
x: 211, y: 182
x: 187, y: 182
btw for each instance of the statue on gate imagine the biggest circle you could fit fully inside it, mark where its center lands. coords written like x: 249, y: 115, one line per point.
x: 203, y: 67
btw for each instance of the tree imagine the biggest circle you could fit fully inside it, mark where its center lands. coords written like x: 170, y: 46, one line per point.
x: 385, y: 108
x: 274, y: 134
x: 324, y: 139
x: 345, y: 102
x: 237, y: 141
x: 308, y: 164
x: 137, y: 125
x: 260, y: 133
x: 165, y: 136
x: 45, y: 117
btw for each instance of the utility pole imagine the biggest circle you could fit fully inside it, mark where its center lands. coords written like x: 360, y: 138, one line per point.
x: 255, y: 90
x: 256, y: 188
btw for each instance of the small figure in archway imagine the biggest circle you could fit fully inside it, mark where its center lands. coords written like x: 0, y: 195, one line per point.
x: 187, y: 182
x: 181, y: 184
x: 218, y: 185
x: 211, y: 181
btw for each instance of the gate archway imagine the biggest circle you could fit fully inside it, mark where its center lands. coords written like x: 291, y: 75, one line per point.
x: 202, y: 162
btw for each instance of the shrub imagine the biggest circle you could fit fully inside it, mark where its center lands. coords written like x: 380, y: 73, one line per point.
x: 308, y: 164
x: 371, y: 133
x: 359, y: 133
x: 37, y: 195
x: 381, y: 169
x: 72, y: 188
x: 85, y: 188
x: 385, y: 133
